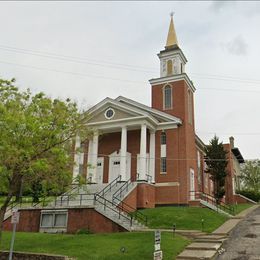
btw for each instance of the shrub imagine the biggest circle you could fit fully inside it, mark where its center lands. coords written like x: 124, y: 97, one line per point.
x: 253, y: 195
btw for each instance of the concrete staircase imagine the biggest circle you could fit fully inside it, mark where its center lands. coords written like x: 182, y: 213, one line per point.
x: 111, y: 205
x: 107, y: 199
x: 203, y: 247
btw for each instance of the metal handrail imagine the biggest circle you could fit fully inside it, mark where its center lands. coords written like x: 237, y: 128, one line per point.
x: 130, y: 210
x: 124, y: 187
x: 209, y: 198
x: 116, y: 199
x: 66, y: 199
x: 112, y: 206
x: 110, y: 186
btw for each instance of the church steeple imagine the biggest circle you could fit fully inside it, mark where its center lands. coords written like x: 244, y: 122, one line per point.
x: 172, y: 37
x: 172, y: 58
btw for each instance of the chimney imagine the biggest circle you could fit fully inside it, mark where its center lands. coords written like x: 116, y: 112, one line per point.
x: 231, y: 141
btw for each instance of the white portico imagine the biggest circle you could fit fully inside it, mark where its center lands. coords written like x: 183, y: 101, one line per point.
x: 123, y: 116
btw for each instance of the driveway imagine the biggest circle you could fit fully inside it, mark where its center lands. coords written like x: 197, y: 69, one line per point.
x: 244, y: 240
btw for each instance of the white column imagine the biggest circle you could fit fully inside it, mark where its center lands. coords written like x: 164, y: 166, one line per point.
x: 94, y: 156
x: 142, y: 170
x: 152, y: 155
x: 90, y: 153
x: 123, y: 152
x: 76, y: 158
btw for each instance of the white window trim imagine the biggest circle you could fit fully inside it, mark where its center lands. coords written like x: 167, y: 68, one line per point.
x: 105, y: 114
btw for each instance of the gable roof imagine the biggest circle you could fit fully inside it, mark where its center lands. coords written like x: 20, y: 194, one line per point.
x: 136, y: 109
x: 156, y: 113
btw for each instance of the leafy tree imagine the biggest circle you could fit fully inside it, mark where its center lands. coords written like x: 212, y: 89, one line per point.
x: 217, y: 162
x: 35, y: 140
x: 250, y: 175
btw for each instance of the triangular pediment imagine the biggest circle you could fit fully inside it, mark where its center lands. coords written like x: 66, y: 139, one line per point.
x: 111, y: 110
x: 123, y: 109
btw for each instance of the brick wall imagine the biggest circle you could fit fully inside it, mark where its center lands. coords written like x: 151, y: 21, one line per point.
x: 32, y: 256
x: 145, y: 196
x: 78, y: 218
x: 91, y: 220
x: 29, y: 221
x: 182, y: 146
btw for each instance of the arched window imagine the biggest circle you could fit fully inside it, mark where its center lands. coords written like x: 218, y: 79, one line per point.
x: 167, y: 97
x: 163, y: 138
x: 169, y: 67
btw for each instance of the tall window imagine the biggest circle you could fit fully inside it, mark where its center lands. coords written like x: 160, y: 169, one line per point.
x: 163, y: 165
x: 167, y: 97
x: 169, y: 67
x: 163, y: 138
x: 163, y: 153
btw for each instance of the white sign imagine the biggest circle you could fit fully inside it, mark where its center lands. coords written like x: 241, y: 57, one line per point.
x: 15, y: 217
x: 158, y: 255
x: 157, y: 236
x: 157, y: 247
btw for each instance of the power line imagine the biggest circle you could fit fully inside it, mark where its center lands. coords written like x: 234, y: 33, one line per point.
x: 119, y: 65
x: 104, y: 77
x: 69, y: 72
x: 76, y: 59
x: 157, y: 158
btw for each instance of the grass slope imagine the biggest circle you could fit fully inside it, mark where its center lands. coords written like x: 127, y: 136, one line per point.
x: 184, y: 218
x: 97, y: 246
x: 240, y: 207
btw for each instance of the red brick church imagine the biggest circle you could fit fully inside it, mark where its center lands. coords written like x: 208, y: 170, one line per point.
x: 139, y: 157
x: 154, y: 145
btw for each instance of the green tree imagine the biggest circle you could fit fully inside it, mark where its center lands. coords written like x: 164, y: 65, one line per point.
x: 250, y: 175
x: 36, y: 134
x: 216, y: 166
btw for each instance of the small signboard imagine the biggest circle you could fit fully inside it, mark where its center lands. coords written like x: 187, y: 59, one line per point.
x: 15, y: 216
x: 157, y: 237
x: 158, y: 255
x: 157, y: 247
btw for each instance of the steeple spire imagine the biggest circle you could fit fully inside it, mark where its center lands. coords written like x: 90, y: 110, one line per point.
x: 172, y: 38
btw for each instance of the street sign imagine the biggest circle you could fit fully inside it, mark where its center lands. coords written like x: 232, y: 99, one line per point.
x: 14, y: 221
x: 15, y: 216
x: 157, y: 237
x: 158, y: 255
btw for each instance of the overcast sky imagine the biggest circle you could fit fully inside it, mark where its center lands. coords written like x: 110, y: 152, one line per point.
x: 91, y: 50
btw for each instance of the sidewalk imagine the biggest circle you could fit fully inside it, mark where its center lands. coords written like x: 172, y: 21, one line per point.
x: 207, y: 246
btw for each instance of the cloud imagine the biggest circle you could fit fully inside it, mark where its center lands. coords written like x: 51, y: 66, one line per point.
x: 236, y: 46
x: 218, y: 6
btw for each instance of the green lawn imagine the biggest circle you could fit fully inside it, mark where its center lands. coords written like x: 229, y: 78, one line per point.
x: 240, y: 207
x: 184, y: 218
x: 138, y: 245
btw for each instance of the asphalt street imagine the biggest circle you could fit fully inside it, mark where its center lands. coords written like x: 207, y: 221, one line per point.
x: 244, y: 240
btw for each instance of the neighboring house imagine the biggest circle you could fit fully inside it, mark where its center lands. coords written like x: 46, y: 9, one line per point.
x: 156, y: 145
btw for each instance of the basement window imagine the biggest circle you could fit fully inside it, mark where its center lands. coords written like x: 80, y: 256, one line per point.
x: 54, y: 219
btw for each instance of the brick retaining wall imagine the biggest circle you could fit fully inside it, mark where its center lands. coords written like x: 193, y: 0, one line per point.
x: 32, y: 256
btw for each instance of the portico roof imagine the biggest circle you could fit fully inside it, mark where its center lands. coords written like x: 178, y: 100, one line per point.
x: 128, y: 110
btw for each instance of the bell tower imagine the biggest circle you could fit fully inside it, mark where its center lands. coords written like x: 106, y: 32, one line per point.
x: 173, y: 91
x: 172, y: 59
